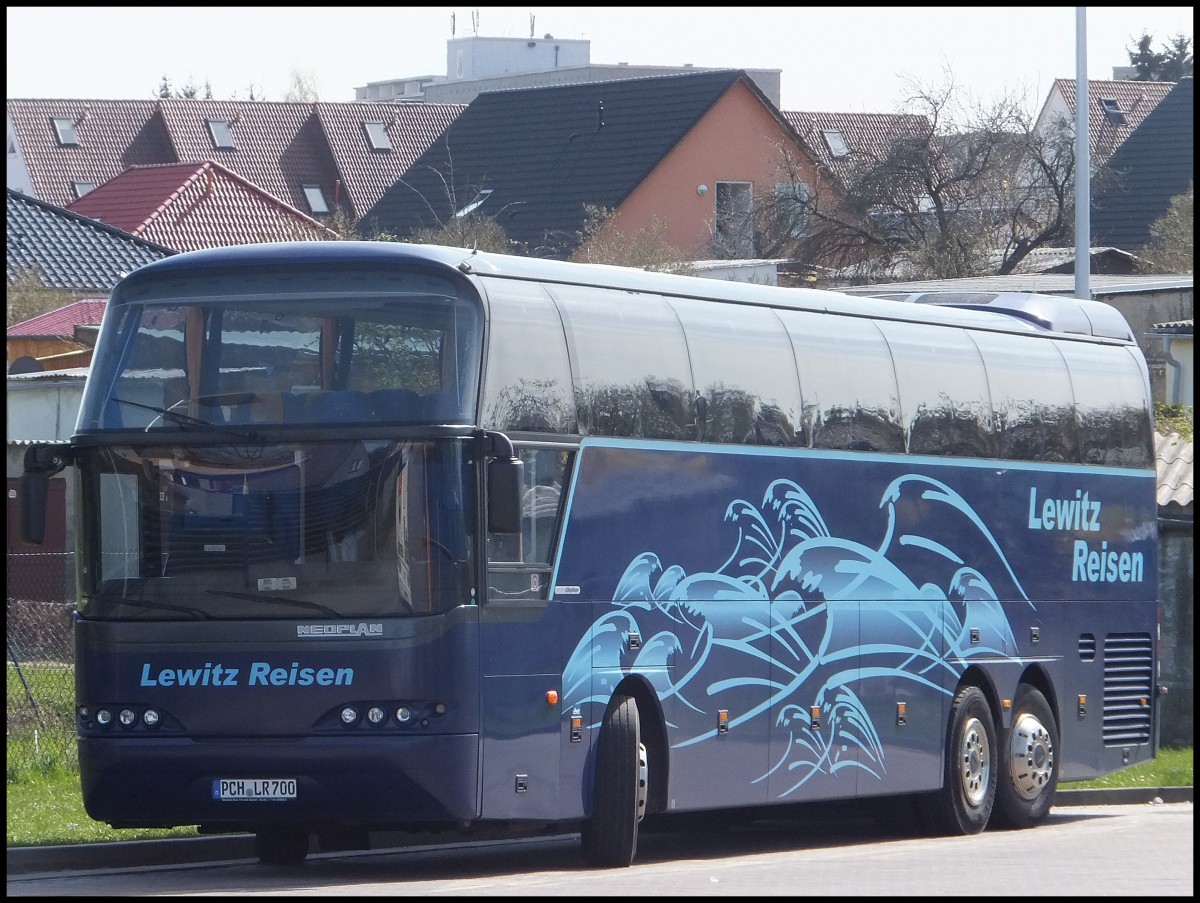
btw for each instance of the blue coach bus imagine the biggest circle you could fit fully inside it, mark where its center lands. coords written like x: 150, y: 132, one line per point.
x: 381, y: 537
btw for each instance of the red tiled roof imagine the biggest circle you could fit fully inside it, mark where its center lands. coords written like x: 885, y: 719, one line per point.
x: 62, y: 322
x: 367, y: 173
x: 113, y: 135
x: 277, y: 145
x: 189, y: 206
x: 869, y: 134
x: 1136, y: 100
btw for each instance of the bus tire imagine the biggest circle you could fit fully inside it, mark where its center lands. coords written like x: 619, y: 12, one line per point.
x: 285, y: 847
x: 609, y: 836
x: 1028, y: 775
x: 964, y: 804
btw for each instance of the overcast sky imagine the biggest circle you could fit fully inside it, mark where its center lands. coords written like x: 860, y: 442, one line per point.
x: 835, y: 59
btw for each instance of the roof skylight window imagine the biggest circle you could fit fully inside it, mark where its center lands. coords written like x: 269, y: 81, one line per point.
x: 836, y: 142
x: 483, y: 195
x: 1112, y: 110
x: 377, y: 136
x: 82, y: 188
x: 221, y: 136
x: 316, y: 199
x: 64, y: 128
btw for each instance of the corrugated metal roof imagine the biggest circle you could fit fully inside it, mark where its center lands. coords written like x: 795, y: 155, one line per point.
x: 1174, y: 459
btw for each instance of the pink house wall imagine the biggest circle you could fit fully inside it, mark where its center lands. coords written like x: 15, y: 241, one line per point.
x: 738, y: 140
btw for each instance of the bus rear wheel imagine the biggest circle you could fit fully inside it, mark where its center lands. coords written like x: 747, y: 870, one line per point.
x: 964, y: 804
x: 1028, y: 778
x: 285, y: 847
x: 619, y: 791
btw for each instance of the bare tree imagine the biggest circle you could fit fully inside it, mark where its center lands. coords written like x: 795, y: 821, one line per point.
x: 603, y: 241
x: 27, y: 296
x: 303, y: 87
x: 964, y: 188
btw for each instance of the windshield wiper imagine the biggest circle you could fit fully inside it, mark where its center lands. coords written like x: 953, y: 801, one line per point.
x: 155, y: 606
x: 273, y: 600
x: 186, y: 420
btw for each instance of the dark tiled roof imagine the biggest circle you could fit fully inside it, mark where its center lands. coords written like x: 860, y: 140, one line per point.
x: 69, y: 251
x: 366, y: 173
x: 547, y: 152
x: 191, y: 206
x: 62, y: 322
x: 1153, y: 165
x: 1105, y: 132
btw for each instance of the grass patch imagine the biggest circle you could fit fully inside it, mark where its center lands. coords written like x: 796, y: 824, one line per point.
x: 47, y: 809
x: 1172, y: 767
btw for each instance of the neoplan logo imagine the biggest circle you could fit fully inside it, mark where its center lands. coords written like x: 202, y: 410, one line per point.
x: 339, y: 630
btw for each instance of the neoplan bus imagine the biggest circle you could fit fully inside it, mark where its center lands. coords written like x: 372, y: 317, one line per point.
x: 382, y: 537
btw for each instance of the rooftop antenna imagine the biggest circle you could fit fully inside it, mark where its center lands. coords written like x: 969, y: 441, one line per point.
x: 475, y: 22
x: 452, y: 25
x: 531, y: 19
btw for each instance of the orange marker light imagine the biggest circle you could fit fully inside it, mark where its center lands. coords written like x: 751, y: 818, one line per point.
x: 552, y: 697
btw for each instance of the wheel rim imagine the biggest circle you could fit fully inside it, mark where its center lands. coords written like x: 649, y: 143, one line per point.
x: 974, y: 762
x: 642, y: 781
x: 1031, y: 756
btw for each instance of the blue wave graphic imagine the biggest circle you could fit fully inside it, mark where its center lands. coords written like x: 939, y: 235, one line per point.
x: 693, y: 652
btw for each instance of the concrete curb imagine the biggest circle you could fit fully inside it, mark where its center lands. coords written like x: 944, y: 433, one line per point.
x: 223, y: 848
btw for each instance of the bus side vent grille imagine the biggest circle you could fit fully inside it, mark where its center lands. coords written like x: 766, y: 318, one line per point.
x: 1087, y: 647
x: 1128, y: 682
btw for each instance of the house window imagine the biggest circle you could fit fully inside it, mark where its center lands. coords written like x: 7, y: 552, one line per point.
x: 483, y: 195
x: 64, y: 128
x: 221, y: 136
x: 316, y: 199
x: 377, y: 136
x: 734, y: 227
x: 836, y: 142
x: 1112, y: 111
x: 82, y: 188
x: 791, y: 207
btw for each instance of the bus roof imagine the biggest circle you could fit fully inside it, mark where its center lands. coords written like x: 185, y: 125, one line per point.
x: 1005, y: 311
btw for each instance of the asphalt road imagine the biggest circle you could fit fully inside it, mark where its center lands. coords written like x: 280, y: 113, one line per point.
x: 1122, y: 851
x: 182, y: 851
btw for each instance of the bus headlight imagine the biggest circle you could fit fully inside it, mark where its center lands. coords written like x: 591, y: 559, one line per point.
x: 404, y: 714
x: 349, y: 715
x: 127, y: 717
x: 150, y: 717
x: 103, y: 717
x: 376, y: 715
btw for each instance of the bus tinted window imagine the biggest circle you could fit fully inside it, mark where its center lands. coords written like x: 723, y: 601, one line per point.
x: 527, y: 385
x: 744, y: 372
x: 631, y: 364
x: 1110, y: 405
x: 1031, y: 398
x: 847, y: 382
x: 943, y: 390
x: 288, y: 361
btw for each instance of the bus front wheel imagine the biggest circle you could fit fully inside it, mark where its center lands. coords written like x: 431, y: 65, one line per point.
x: 964, y: 804
x: 1028, y: 778
x: 619, y: 791
x: 281, y: 846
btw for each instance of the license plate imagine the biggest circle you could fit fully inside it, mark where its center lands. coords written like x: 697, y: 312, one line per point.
x: 254, y: 789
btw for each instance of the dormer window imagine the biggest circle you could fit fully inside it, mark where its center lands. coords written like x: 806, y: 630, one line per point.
x: 64, y: 128
x: 483, y: 195
x: 836, y: 142
x: 377, y: 136
x: 1112, y: 110
x: 316, y: 199
x: 82, y: 188
x: 222, y: 138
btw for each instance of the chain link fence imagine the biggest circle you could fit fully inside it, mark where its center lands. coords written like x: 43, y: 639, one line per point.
x: 41, y: 664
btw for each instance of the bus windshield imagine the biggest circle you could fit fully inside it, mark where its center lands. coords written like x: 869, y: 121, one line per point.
x: 318, y: 529
x: 402, y: 358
